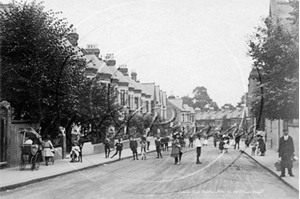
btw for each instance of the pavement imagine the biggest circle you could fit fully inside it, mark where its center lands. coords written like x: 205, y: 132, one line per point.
x: 268, y: 162
x: 13, y: 178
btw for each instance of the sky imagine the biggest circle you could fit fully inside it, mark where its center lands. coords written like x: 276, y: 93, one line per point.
x: 177, y: 44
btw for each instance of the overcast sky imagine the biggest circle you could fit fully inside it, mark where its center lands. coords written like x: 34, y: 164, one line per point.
x: 178, y: 44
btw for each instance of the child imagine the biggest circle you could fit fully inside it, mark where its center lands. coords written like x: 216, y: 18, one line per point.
x: 253, y: 146
x: 143, y: 148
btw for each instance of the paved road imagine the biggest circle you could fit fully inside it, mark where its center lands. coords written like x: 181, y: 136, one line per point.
x: 230, y: 175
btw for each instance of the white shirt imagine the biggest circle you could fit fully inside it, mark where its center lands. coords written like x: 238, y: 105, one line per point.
x: 285, y: 137
x: 198, y: 143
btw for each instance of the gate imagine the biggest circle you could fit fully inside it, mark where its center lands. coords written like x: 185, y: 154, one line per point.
x: 4, y: 127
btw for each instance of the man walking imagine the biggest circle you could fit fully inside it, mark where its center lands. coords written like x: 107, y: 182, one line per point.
x: 191, y: 140
x: 107, y: 146
x: 119, y: 148
x: 237, y: 141
x: 286, y: 153
x: 158, y: 146
x: 198, y: 146
x: 133, y: 146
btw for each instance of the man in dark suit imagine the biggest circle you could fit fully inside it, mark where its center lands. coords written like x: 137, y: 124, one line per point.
x: 286, y: 153
x: 133, y: 146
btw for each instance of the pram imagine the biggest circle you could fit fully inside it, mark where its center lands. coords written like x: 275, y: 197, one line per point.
x: 29, y: 153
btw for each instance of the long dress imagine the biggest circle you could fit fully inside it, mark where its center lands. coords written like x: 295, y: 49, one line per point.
x: 175, y: 149
x: 48, y: 149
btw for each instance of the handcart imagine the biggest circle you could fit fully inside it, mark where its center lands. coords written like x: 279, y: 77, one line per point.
x: 29, y: 151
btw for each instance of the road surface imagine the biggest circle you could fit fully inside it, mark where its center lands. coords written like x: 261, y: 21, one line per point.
x: 229, y: 175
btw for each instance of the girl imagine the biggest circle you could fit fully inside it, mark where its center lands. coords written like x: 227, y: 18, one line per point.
x: 143, y: 148
x: 176, y: 150
x: 48, y: 150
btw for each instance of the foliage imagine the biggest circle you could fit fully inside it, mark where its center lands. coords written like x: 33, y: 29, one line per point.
x: 200, y: 100
x: 274, y: 49
x: 40, y: 71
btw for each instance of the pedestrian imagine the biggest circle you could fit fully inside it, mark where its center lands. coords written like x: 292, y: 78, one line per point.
x: 226, y: 140
x: 253, y: 146
x: 48, y: 149
x: 215, y: 140
x: 167, y: 143
x: 191, y: 140
x: 286, y: 153
x: 119, y: 148
x: 162, y: 143
x: 176, y: 149
x: 205, y: 141
x: 143, y: 148
x: 133, y: 146
x: 198, y: 146
x: 261, y: 145
x: 148, y: 137
x: 107, y: 146
x: 237, y: 141
x: 158, y: 147
x: 221, y: 144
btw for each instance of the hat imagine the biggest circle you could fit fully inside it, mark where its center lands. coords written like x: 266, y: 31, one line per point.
x: 285, y: 130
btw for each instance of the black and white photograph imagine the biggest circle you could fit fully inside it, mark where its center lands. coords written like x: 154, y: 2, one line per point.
x: 120, y: 99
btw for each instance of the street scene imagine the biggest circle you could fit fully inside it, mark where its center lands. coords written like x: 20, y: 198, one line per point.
x: 149, y: 99
x: 231, y: 174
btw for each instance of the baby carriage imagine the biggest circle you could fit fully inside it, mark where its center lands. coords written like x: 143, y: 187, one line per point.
x: 76, y: 152
x: 29, y: 151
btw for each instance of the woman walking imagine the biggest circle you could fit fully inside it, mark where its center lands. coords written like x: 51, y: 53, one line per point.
x: 176, y: 150
x: 119, y: 148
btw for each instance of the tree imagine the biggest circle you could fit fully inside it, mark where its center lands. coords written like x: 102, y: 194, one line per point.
x: 41, y: 72
x: 274, y: 49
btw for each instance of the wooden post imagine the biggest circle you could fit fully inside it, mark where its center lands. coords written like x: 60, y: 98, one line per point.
x: 63, y: 143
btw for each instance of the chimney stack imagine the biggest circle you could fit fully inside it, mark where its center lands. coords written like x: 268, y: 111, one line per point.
x: 124, y: 70
x: 133, y: 75
x: 109, y: 59
x: 73, y: 37
x: 92, y: 49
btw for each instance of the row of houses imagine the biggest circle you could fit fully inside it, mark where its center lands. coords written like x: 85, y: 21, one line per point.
x: 133, y: 94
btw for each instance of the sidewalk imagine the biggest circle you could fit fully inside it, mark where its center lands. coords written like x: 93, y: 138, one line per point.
x: 268, y: 162
x: 12, y: 177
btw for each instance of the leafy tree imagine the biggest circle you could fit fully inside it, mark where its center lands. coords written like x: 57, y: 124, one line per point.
x: 40, y: 71
x: 274, y: 49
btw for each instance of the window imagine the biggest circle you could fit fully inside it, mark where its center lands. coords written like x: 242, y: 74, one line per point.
x: 129, y: 101
x: 147, y: 106
x: 122, y: 97
x: 136, y: 103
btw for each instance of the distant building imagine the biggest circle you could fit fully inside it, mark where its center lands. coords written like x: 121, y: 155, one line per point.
x: 185, y: 114
x: 225, y: 118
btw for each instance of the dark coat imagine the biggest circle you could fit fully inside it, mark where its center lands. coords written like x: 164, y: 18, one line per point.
x: 286, y: 152
x: 133, y: 145
x: 119, y: 146
x: 261, y: 145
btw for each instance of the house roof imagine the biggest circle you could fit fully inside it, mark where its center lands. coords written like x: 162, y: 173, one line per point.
x: 177, y: 102
x: 148, y: 88
x: 118, y: 75
x: 98, y: 64
x: 224, y: 114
